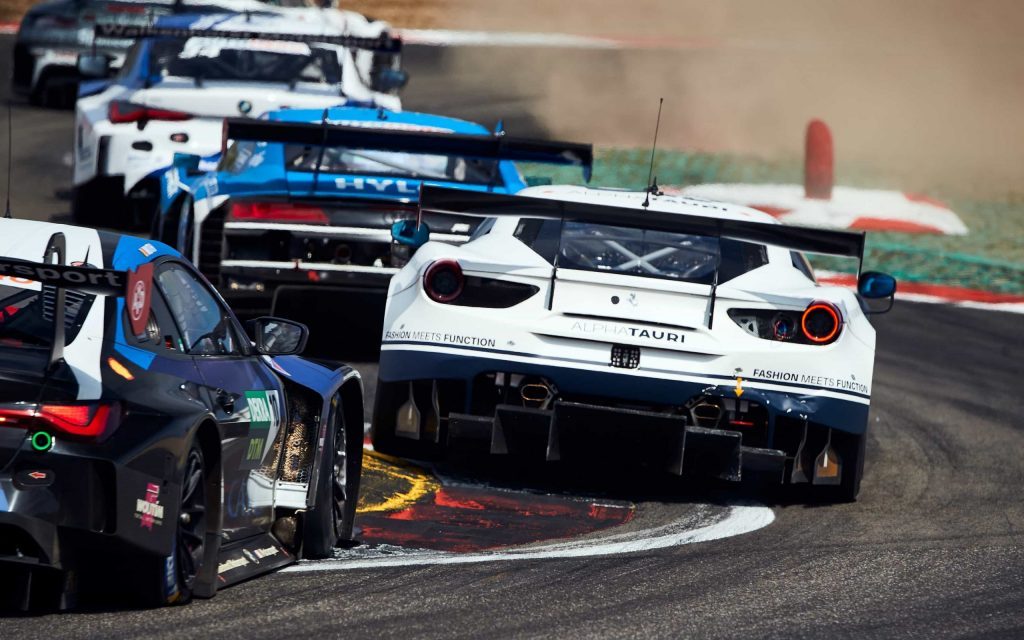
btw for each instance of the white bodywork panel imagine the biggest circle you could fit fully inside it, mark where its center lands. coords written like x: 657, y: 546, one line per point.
x: 668, y: 318
x: 27, y: 240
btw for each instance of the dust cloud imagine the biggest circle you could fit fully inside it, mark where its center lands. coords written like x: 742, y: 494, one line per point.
x: 929, y: 93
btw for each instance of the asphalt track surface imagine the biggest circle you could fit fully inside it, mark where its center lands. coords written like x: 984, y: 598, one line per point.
x: 933, y: 548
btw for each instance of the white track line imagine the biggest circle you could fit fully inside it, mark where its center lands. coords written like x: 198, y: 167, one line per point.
x: 738, y: 521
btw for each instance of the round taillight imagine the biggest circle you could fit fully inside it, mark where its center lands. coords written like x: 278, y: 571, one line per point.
x: 444, y: 281
x: 821, y: 322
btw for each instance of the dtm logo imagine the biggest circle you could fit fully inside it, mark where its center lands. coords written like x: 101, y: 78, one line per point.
x: 380, y: 185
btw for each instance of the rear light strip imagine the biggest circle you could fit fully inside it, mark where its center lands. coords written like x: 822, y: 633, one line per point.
x: 89, y: 421
x: 279, y: 211
x: 121, y: 111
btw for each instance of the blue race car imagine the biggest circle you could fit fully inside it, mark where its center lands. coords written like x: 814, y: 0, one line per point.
x: 147, y: 445
x: 301, y: 206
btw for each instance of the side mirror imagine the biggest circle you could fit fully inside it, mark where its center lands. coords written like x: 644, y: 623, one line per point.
x: 93, y: 65
x: 187, y: 162
x: 874, y: 285
x: 387, y: 80
x: 277, y: 336
x: 408, y: 233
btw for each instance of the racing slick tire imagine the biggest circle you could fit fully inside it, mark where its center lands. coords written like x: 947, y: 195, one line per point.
x: 183, y: 230
x: 333, y: 516
x: 55, y: 90
x: 99, y: 196
x: 172, y: 580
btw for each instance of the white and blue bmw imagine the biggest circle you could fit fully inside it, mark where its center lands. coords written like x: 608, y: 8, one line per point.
x: 190, y: 72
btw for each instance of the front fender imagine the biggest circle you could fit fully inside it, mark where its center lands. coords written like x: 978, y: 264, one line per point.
x: 325, y: 382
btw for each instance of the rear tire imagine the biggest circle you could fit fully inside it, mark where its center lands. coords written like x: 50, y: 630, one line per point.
x: 98, y: 202
x: 333, y: 518
x: 171, y: 580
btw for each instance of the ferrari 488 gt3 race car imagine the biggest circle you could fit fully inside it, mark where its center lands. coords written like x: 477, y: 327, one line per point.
x: 299, y: 213
x: 147, y: 446
x: 579, y: 318
x: 183, y: 77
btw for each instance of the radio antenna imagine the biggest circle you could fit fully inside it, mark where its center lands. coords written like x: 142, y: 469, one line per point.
x: 10, y: 159
x: 652, y: 185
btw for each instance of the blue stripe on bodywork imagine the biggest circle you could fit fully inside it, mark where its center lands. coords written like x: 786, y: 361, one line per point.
x: 4, y: 506
x: 403, y: 365
x: 139, y: 357
x: 128, y: 254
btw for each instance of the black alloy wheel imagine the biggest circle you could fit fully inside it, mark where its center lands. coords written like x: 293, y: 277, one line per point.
x: 340, y: 502
x: 333, y: 517
x: 192, y: 527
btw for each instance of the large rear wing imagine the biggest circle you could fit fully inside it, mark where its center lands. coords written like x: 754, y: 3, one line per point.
x: 487, y: 146
x: 104, y: 282
x: 472, y: 203
x: 839, y: 243
x: 385, y: 43
x: 52, y: 272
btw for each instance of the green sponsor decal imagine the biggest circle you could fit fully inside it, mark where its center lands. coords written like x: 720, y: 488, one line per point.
x: 264, y: 413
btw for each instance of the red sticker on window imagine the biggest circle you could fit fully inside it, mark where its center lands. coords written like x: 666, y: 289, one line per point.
x: 137, y: 298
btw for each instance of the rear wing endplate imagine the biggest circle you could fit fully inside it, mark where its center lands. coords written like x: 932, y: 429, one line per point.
x: 384, y: 43
x: 52, y: 272
x: 839, y: 243
x: 490, y: 146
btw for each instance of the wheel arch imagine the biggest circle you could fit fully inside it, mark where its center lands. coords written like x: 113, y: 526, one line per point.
x: 344, y: 383
x: 165, y: 224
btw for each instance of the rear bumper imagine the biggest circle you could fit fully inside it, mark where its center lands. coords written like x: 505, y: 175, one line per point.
x: 60, y: 511
x: 679, y: 425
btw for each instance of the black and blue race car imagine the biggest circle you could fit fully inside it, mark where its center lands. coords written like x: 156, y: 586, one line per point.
x: 147, y: 443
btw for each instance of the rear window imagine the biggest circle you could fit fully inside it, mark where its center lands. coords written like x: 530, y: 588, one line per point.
x: 399, y: 164
x: 640, y: 252
x: 27, y: 315
x: 249, y: 60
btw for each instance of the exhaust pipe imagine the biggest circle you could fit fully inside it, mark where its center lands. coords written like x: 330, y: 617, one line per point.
x: 536, y: 395
x: 706, y: 414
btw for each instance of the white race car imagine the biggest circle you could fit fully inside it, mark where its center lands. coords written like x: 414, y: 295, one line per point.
x: 577, y: 319
x: 52, y: 34
x: 190, y: 72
